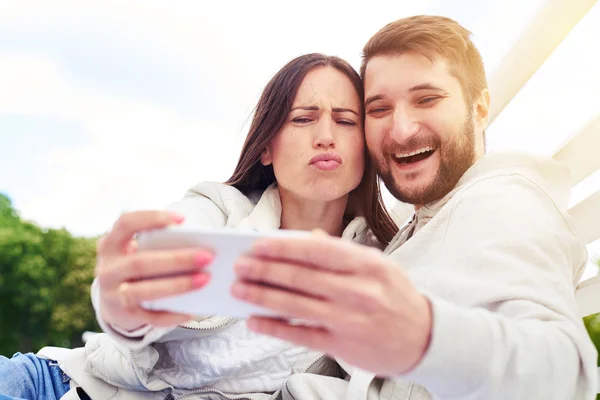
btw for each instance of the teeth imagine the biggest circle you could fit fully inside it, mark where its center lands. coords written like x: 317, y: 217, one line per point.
x: 413, y: 153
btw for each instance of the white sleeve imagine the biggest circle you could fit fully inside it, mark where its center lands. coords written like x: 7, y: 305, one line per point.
x: 511, y: 258
x: 199, y: 212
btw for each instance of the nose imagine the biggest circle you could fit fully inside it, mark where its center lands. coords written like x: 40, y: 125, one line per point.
x: 324, y: 134
x: 405, y: 125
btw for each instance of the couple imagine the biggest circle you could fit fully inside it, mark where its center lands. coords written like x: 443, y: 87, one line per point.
x: 472, y: 299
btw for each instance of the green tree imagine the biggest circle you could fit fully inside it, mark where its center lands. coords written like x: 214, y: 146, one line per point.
x: 45, y: 277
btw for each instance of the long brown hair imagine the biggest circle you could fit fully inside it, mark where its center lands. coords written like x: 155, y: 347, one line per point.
x: 270, y: 115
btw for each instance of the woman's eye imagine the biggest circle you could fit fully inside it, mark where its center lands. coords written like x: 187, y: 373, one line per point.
x: 377, y: 110
x: 301, y: 120
x: 346, y: 122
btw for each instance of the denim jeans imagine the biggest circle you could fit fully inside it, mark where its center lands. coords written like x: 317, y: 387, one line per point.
x: 26, y: 376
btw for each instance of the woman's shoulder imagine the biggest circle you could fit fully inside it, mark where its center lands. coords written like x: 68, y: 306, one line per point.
x: 213, y: 204
x: 216, y: 191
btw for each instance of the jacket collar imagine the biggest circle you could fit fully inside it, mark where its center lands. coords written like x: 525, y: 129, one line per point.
x: 266, y: 216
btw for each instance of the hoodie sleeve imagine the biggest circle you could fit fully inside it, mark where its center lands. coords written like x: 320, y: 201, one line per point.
x: 505, y: 320
x: 199, y: 212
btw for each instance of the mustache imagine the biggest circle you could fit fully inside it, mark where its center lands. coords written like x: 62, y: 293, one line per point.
x: 412, y: 144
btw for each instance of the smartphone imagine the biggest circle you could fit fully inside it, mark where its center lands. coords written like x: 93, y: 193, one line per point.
x: 227, y: 245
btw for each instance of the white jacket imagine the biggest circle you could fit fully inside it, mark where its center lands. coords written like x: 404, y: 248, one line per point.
x: 216, y: 355
x: 499, y: 260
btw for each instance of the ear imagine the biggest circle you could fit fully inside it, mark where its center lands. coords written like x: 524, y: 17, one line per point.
x: 482, y: 109
x: 481, y: 115
x: 265, y: 157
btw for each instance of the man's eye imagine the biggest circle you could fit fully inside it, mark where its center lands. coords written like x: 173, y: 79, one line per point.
x: 428, y: 100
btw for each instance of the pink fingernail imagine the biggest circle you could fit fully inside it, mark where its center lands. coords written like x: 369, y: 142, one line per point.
x: 202, y: 259
x: 199, y: 280
x: 177, y: 218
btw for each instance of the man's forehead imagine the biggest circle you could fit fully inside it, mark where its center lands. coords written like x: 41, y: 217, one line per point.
x: 405, y: 71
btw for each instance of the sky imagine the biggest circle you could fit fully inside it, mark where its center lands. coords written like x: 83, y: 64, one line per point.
x: 114, y: 106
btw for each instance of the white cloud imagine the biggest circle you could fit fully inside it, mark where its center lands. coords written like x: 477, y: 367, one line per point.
x: 33, y: 86
x: 136, y: 155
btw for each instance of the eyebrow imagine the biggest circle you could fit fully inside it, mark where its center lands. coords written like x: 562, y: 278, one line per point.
x: 424, y: 86
x: 315, y: 108
x: 373, y: 98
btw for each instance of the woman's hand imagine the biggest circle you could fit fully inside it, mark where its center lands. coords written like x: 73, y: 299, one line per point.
x: 127, y: 277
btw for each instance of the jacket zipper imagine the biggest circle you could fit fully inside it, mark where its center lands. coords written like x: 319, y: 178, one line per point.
x: 280, y: 395
x: 200, y: 391
x: 136, y: 368
x: 207, y: 328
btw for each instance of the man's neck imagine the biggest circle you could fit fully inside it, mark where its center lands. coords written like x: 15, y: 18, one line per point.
x: 302, y: 214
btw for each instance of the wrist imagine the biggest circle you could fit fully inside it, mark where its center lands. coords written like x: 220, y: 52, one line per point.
x: 423, y: 327
x: 121, y: 326
x: 138, y: 332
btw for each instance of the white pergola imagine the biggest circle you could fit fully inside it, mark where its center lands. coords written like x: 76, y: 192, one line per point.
x: 550, y: 26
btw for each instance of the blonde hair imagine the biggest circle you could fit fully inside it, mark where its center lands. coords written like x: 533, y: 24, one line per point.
x: 432, y: 36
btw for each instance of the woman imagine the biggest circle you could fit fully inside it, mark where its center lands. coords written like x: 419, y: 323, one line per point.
x: 303, y: 166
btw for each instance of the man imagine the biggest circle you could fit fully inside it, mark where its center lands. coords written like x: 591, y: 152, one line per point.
x: 475, y: 299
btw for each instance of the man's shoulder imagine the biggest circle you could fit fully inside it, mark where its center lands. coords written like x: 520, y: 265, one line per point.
x: 497, y: 177
x: 514, y: 195
x: 511, y: 194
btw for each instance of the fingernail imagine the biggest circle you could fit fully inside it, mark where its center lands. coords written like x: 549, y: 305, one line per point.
x: 202, y: 259
x: 199, y: 280
x: 177, y: 218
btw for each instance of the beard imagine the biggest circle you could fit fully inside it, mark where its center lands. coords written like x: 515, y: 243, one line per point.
x: 456, y: 155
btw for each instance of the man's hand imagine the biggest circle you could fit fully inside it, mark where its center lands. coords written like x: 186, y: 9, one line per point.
x: 367, y: 312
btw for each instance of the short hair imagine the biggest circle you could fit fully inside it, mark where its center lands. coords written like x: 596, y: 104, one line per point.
x: 432, y: 36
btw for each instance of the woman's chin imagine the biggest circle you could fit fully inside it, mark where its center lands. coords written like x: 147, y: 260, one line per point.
x: 326, y: 192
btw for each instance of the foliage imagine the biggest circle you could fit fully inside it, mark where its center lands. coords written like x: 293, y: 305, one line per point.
x: 45, y: 278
